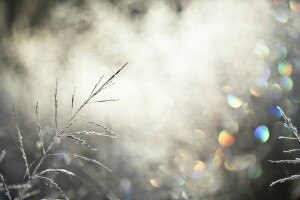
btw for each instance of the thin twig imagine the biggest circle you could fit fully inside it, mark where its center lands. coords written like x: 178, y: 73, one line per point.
x: 105, y: 100
x: 73, y: 100
x: 39, y: 126
x: 21, y: 143
x: 56, y: 105
x: 7, y: 192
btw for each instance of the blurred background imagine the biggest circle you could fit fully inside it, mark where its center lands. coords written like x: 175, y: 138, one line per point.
x: 197, y: 116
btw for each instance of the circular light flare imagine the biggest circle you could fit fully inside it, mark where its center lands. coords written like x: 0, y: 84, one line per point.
x: 275, y: 111
x: 155, y: 182
x: 262, y: 50
x: 276, y: 91
x: 295, y: 6
x: 259, y: 87
x: 198, y: 169
x: 234, y: 101
x: 262, y: 133
x: 226, y: 139
x: 254, y: 171
x: 286, y: 83
x: 285, y: 68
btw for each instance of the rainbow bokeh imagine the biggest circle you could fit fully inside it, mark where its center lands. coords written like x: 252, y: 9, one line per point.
x: 295, y: 6
x: 198, y: 169
x: 285, y: 68
x: 226, y: 139
x: 286, y: 83
x: 254, y: 171
x: 275, y: 111
x: 262, y: 50
x: 234, y: 101
x: 261, y: 133
x: 259, y: 87
x: 276, y: 91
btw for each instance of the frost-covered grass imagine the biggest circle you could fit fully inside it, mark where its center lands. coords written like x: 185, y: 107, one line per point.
x: 289, y: 125
x: 33, y: 173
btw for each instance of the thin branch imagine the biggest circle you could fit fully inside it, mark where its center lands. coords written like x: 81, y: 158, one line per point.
x: 291, y: 151
x: 7, y: 192
x: 294, y: 177
x: 21, y: 143
x: 56, y: 105
x: 79, y: 140
x: 13, y: 187
x: 73, y: 100
x: 101, y: 126
x: 90, y: 133
x: 105, y: 100
x: 49, y: 180
x: 56, y: 171
x: 81, y: 157
x: 39, y: 126
x: 2, y: 155
x: 32, y: 193
x: 289, y: 125
x: 296, y: 161
x: 96, y: 85
x: 287, y: 138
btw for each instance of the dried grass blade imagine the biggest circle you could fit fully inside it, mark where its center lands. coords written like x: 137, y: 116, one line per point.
x: 49, y: 180
x: 101, y: 126
x: 294, y: 177
x: 73, y: 100
x: 57, y: 171
x: 21, y: 143
x: 91, y: 133
x: 296, y: 161
x: 291, y: 151
x: 96, y: 86
x: 32, y: 193
x: 105, y: 100
x: 7, y: 192
x: 39, y: 126
x: 56, y: 105
x: 81, y: 141
x: 2, y: 155
x: 81, y: 157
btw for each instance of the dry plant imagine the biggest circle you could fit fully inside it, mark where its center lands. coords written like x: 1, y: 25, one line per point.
x: 33, y: 172
x: 289, y: 125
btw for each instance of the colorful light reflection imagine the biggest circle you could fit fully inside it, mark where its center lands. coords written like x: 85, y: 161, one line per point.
x: 254, y: 171
x: 226, y: 139
x: 198, y: 169
x: 285, y: 68
x: 262, y: 133
x: 234, y: 101
x: 286, y: 83
x: 295, y: 6
x: 259, y: 87
x: 275, y: 111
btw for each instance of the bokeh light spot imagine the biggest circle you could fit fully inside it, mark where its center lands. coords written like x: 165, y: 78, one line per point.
x: 286, y: 83
x: 285, y: 68
x: 180, y: 180
x: 234, y: 101
x: 226, y: 139
x: 262, y: 50
x: 259, y: 87
x: 276, y: 91
x: 275, y: 111
x: 254, y: 171
x: 155, y: 182
x: 198, y: 169
x: 262, y: 133
x: 295, y: 6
